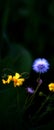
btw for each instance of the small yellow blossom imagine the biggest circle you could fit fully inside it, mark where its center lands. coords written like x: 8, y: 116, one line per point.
x: 17, y: 80
x: 4, y: 81
x: 17, y: 75
x: 51, y: 87
x: 8, y: 80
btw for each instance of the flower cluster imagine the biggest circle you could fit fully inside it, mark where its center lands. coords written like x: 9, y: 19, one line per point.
x: 18, y: 81
x: 40, y: 65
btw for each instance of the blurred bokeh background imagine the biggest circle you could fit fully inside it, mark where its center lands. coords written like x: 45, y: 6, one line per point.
x: 29, y: 23
x: 26, y: 33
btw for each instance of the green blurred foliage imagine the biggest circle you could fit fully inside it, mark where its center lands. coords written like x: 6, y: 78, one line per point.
x: 46, y: 126
x: 18, y: 59
x: 11, y: 105
x: 30, y: 23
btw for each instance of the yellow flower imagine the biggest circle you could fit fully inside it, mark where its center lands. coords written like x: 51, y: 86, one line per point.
x: 17, y: 80
x: 51, y: 87
x: 8, y: 80
x: 4, y: 81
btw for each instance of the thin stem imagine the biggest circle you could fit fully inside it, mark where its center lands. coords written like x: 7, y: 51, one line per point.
x: 42, y: 105
x: 32, y: 97
x: 26, y: 101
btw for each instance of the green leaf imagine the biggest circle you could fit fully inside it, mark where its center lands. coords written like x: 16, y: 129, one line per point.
x: 18, y: 59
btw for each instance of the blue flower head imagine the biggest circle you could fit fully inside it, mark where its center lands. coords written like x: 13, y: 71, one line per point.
x: 30, y: 90
x: 40, y: 65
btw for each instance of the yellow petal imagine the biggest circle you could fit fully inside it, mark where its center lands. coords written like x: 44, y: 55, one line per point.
x: 18, y: 82
x: 4, y: 81
x: 17, y: 75
x: 9, y: 78
x: 51, y: 87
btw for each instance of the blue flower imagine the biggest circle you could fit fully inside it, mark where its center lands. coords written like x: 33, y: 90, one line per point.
x: 40, y: 65
x: 30, y: 90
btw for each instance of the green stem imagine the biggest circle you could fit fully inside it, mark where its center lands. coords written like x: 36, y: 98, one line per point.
x: 42, y: 105
x: 26, y: 100
x: 32, y: 97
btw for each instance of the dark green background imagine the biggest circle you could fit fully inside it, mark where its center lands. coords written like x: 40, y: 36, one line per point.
x: 26, y: 33
x: 30, y: 23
